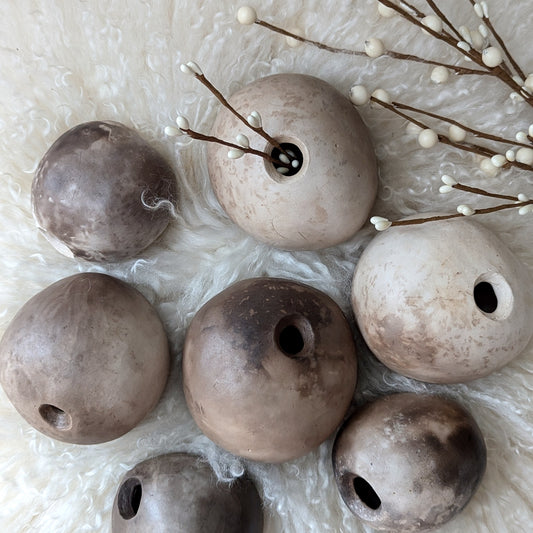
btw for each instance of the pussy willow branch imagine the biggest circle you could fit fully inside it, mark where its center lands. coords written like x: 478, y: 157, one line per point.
x: 483, y: 192
x: 501, y: 207
x: 389, y: 53
x: 500, y: 71
x: 209, y: 138
x: 500, y: 41
x: 467, y: 147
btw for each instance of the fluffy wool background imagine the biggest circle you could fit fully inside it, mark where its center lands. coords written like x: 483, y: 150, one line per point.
x: 71, y: 61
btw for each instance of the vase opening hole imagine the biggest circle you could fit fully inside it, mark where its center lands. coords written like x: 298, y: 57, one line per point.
x: 55, y: 417
x: 366, y: 493
x: 294, y: 336
x: 296, y: 158
x: 129, y: 498
x: 485, y: 297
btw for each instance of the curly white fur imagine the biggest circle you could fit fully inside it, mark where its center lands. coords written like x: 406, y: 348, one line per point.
x: 71, y: 61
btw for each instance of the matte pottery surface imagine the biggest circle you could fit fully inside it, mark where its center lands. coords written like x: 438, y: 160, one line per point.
x: 90, y: 187
x: 269, y: 368
x: 409, y: 462
x: 85, y: 359
x: 330, y: 197
x: 444, y: 302
x: 180, y: 493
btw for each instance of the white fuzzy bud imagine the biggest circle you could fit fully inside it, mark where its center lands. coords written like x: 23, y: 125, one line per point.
x: 412, y: 128
x: 448, y: 180
x: 485, y: 9
x: 525, y: 209
x: 284, y: 159
x: 246, y: 15
x: 465, y: 34
x: 440, y: 74
x: 465, y: 210
x: 433, y: 23
x: 498, y: 160
x: 291, y: 41
x: 478, y: 9
x: 382, y: 95
x: 522, y: 197
x: 510, y: 155
x: 359, y: 95
x: 254, y: 119
x: 186, y: 69
x: 282, y: 170
x: 477, y: 39
x: 492, y: 56
x: 170, y: 131
x: 463, y: 45
x: 194, y: 68
x: 234, y: 153
x: 385, y: 11
x: 521, y: 137
x: 182, y: 122
x: 456, y: 133
x: 374, y: 47
x: 243, y: 140
x: 530, y: 130
x: 444, y: 189
x: 488, y: 168
x: 483, y: 30
x: 428, y: 138
x: 529, y: 82
x: 381, y: 223
x: 525, y: 156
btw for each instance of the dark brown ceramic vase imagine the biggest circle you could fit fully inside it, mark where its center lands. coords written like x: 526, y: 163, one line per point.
x: 85, y: 360
x: 269, y: 368
x: 408, y: 462
x: 96, y: 190
x: 179, y: 493
x: 327, y: 199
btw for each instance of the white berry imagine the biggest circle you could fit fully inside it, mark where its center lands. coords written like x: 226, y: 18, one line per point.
x: 359, y: 95
x: 492, y: 56
x: 246, y: 15
x: 525, y: 156
x: 456, y: 133
x: 427, y: 138
x: 440, y: 74
x: 374, y: 47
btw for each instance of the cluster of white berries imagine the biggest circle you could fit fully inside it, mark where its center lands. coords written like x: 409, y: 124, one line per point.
x: 381, y: 223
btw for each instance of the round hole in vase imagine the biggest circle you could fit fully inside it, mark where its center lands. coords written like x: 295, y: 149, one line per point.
x: 129, y: 498
x: 296, y: 150
x: 366, y: 493
x: 294, y: 336
x: 55, y: 417
x: 493, y: 296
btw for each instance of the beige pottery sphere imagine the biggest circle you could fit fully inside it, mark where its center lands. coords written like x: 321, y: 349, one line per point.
x: 409, y: 462
x: 269, y: 369
x: 442, y: 302
x: 329, y: 198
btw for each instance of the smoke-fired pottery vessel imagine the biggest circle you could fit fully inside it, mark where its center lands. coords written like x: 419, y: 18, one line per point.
x: 85, y: 360
x: 443, y: 301
x: 269, y: 368
x: 408, y: 462
x: 96, y: 189
x: 179, y: 493
x: 329, y: 197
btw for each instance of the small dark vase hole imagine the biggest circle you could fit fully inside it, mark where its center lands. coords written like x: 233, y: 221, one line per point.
x: 129, y: 498
x: 290, y: 340
x: 294, y: 152
x: 55, y: 417
x: 485, y: 297
x: 366, y: 493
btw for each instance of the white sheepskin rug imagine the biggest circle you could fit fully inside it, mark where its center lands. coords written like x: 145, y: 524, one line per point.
x: 64, y: 62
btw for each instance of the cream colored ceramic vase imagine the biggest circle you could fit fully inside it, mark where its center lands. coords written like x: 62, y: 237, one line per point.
x: 443, y: 302
x: 329, y: 198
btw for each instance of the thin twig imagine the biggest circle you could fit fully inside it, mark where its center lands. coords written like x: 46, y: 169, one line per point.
x: 444, y: 19
x: 483, y: 192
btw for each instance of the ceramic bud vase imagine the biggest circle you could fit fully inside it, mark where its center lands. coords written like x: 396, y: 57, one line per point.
x: 85, y: 360
x: 408, y: 462
x: 269, y: 368
x: 442, y: 302
x: 102, y: 193
x: 328, y: 197
x: 180, y: 492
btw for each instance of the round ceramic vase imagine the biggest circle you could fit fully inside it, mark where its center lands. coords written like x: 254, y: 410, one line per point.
x: 269, y: 368
x: 180, y: 493
x: 408, y: 462
x: 442, y: 302
x: 101, y: 192
x: 85, y: 360
x: 329, y: 198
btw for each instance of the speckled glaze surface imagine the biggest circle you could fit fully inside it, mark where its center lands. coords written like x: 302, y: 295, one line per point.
x: 89, y: 189
x: 422, y: 456
x: 179, y: 493
x: 329, y: 199
x: 255, y: 385
x: 442, y: 302
x: 85, y: 360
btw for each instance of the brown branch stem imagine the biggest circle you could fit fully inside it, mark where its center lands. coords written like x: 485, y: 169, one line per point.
x: 483, y: 192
